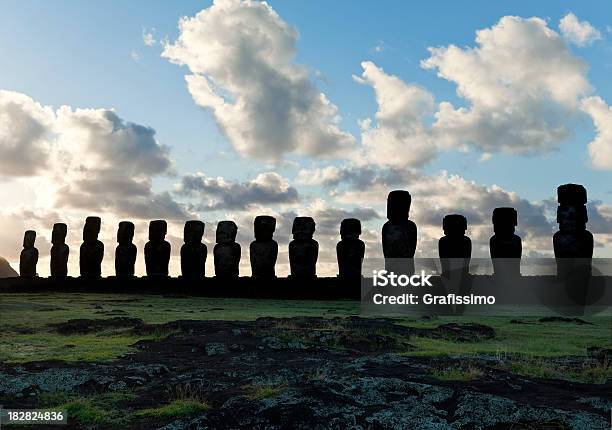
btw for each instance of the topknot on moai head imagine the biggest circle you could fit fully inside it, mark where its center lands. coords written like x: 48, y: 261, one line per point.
x: 504, y: 220
x: 571, y: 195
x: 29, y: 239
x: 125, y: 232
x: 91, y: 229
x: 303, y: 227
x: 350, y: 228
x: 264, y: 226
x: 572, y: 217
x: 193, y: 231
x: 454, y: 225
x: 398, y: 205
x: 226, y: 231
x: 157, y: 230
x: 58, y: 235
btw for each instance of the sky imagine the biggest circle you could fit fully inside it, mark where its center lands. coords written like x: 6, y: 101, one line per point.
x: 229, y: 109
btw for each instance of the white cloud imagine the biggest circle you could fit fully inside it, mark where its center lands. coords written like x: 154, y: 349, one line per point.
x: 135, y: 56
x: 24, y: 134
x: 580, y: 33
x: 148, y: 37
x: 522, y: 85
x: 400, y: 136
x: 86, y: 159
x: 267, y: 188
x: 241, y: 56
x: 600, y: 149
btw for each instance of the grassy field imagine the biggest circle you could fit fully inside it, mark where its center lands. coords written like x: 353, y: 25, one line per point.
x: 27, y: 334
x: 519, y: 347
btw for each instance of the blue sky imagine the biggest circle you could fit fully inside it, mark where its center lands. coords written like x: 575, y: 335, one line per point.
x: 92, y: 55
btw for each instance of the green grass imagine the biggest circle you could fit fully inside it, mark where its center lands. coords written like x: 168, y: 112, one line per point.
x: 592, y: 373
x: 98, y: 410
x: 531, y: 338
x: 258, y: 392
x: 26, y: 336
x: 174, y: 409
x: 458, y: 374
x: 29, y: 338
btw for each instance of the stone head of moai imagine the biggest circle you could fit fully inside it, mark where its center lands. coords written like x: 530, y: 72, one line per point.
x: 398, y: 205
x: 226, y: 232
x: 157, y: 230
x: 303, y: 228
x: 91, y: 230
x: 125, y: 233
x: 350, y: 229
x: 571, y: 195
x: 29, y: 239
x: 504, y: 220
x: 264, y: 226
x: 58, y: 235
x: 454, y: 225
x: 193, y: 232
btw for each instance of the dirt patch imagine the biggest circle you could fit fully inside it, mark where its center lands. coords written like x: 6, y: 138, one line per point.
x: 564, y: 320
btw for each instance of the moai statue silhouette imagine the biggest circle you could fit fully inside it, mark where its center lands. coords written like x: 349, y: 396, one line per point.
x: 193, y: 252
x: 573, y: 243
x: 125, y: 253
x: 303, y: 249
x: 92, y: 250
x: 350, y: 250
x: 263, y: 250
x: 505, y: 247
x: 454, y: 248
x: 59, y: 251
x: 157, y: 250
x: 227, y: 251
x: 29, y: 256
x: 399, y: 234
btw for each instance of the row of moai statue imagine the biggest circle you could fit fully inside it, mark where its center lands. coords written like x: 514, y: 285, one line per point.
x: 399, y: 239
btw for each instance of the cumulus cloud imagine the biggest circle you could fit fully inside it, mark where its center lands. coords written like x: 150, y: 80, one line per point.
x: 89, y: 159
x: 267, y: 188
x: 580, y: 33
x: 600, y: 149
x: 148, y: 37
x: 241, y: 58
x: 521, y: 84
x: 24, y: 134
x: 355, y: 176
x: 400, y: 136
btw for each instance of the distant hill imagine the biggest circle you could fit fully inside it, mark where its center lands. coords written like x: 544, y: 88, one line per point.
x: 6, y: 271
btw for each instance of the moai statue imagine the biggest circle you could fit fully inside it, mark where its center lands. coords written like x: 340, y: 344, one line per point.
x: 59, y: 251
x: 125, y: 253
x: 193, y: 252
x: 573, y: 243
x: 29, y: 256
x: 350, y: 250
x: 227, y: 251
x: 263, y: 250
x: 399, y: 234
x: 92, y: 250
x: 303, y: 249
x: 157, y: 250
x: 505, y: 246
x: 454, y: 248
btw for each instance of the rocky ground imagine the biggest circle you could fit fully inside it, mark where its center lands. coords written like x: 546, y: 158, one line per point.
x: 300, y: 372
